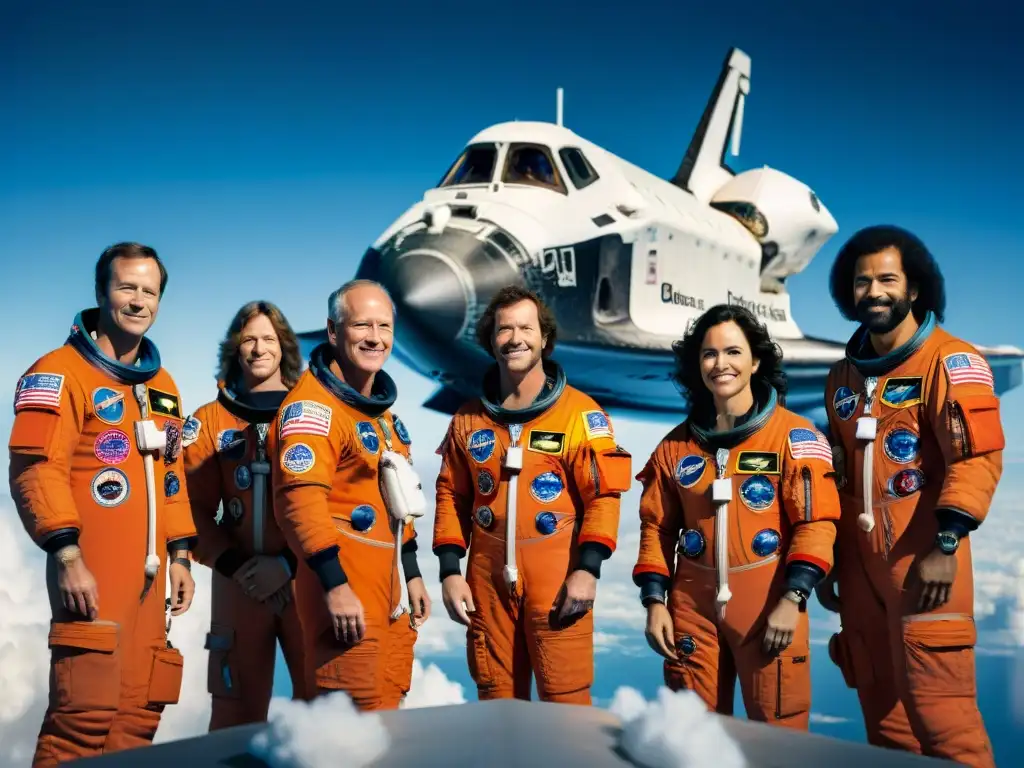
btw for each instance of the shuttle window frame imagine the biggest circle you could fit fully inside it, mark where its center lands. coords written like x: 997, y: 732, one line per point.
x: 558, y: 186
x: 578, y: 181
x: 493, y: 147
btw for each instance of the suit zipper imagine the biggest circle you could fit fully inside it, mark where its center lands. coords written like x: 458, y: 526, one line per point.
x: 593, y: 473
x: 778, y: 689
x: 958, y: 429
x: 808, y: 512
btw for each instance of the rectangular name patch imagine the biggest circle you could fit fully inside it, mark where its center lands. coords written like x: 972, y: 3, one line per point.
x: 39, y: 390
x: 757, y: 463
x: 546, y: 442
x: 809, y: 444
x: 306, y: 417
x: 596, y: 424
x: 968, y: 368
x: 902, y: 392
x: 163, y: 403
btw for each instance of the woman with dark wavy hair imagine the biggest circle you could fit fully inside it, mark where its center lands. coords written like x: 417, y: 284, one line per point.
x: 736, y: 526
x: 227, y: 472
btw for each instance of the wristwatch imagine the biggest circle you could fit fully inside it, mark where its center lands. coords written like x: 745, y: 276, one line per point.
x: 67, y: 555
x: 794, y: 597
x: 947, y: 541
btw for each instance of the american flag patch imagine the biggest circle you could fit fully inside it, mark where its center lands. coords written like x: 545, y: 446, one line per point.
x: 809, y: 444
x: 39, y: 390
x: 306, y: 417
x: 967, y: 368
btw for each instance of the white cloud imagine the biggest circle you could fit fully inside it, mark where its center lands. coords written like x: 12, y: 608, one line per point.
x: 314, y: 734
x: 817, y: 717
x: 432, y: 688
x: 676, y: 730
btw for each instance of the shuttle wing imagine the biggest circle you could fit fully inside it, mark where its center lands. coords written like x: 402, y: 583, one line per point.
x: 509, y: 733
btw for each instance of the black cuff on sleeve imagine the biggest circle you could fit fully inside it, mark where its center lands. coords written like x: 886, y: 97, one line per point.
x: 653, y: 586
x: 448, y: 556
x: 326, y: 566
x: 229, y: 562
x: 592, y: 555
x: 178, y: 545
x: 66, y: 537
x: 410, y: 567
x: 955, y: 521
x: 802, y: 577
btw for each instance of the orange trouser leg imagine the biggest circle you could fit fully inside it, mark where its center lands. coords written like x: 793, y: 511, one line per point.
x: 397, y: 661
x: 496, y: 652
x: 293, y: 648
x: 698, y: 655
x: 776, y: 688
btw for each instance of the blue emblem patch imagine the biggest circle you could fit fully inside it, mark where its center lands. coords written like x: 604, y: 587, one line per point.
x: 484, y: 517
x: 844, y: 401
x: 766, y: 542
x: 901, y: 445
x: 368, y: 436
x: 110, y: 487
x: 298, y: 458
x: 243, y: 477
x: 401, y: 431
x: 112, y: 446
x: 596, y: 424
x: 190, y: 431
x: 485, y: 483
x: 546, y: 523
x: 690, y: 470
x: 108, y: 404
x: 231, y: 443
x: 905, y: 483
x: 481, y: 445
x: 171, y: 484
x: 546, y: 488
x: 692, y: 543
x: 902, y: 392
x: 687, y: 645
x: 757, y: 493
x: 363, y: 518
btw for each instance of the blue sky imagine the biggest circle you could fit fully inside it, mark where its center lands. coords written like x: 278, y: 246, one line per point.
x: 261, y: 150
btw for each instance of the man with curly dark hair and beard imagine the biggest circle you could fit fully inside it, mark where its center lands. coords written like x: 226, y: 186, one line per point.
x: 743, y: 492
x: 918, y: 443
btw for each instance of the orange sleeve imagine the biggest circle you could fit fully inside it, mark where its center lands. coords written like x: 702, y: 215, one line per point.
x: 178, y: 522
x: 810, y: 498
x: 453, y: 524
x: 303, y: 469
x: 661, y: 518
x: 49, y: 414
x: 964, y: 413
x: 203, y: 478
x: 602, y: 471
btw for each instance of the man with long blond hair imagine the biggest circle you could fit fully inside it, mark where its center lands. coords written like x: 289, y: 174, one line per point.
x: 227, y: 468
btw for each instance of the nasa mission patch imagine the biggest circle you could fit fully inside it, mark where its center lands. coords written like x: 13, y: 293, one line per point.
x: 109, y: 487
x: 112, y: 446
x: 298, y: 458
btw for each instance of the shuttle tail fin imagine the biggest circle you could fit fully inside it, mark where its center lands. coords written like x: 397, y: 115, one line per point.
x: 703, y: 169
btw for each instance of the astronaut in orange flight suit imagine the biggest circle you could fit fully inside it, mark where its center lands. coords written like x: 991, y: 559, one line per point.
x: 929, y: 416
x: 224, y: 450
x: 79, y: 482
x: 325, y: 447
x: 566, y: 519
x: 780, y: 537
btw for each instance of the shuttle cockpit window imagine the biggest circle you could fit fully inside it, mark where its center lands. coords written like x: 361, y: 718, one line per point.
x: 474, y: 166
x: 532, y: 164
x: 747, y: 214
x: 578, y: 169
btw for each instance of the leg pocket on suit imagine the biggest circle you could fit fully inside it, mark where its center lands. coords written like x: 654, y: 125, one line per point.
x: 85, y: 672
x: 478, y: 657
x: 940, y: 656
x: 221, y: 676
x: 849, y: 652
x: 165, y: 676
x: 785, y: 685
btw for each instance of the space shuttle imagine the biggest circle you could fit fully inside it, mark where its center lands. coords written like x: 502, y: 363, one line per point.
x: 626, y: 260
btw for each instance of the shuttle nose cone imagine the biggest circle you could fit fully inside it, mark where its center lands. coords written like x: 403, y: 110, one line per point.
x: 430, y: 292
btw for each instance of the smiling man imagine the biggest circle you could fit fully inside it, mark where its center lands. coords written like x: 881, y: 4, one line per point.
x: 253, y: 568
x: 96, y: 474
x: 918, y: 444
x: 530, y: 483
x: 325, y: 448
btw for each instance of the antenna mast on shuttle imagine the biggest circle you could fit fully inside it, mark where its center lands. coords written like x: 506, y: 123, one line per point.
x: 558, y: 107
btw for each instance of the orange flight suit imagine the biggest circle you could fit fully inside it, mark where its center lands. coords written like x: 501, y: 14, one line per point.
x: 937, y: 461
x: 225, y: 448
x: 325, y: 448
x: 77, y: 477
x: 781, y: 531
x: 567, y: 518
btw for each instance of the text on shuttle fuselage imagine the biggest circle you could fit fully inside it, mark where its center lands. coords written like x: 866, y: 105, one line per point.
x: 758, y: 308
x: 674, y: 297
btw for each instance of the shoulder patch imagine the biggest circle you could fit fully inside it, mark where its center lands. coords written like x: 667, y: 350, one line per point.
x: 844, y: 402
x: 368, y: 436
x: 967, y: 368
x: 39, y: 390
x: 546, y: 442
x: 108, y: 405
x: 805, y: 443
x: 163, y: 403
x: 757, y: 463
x: 401, y: 431
x: 306, y: 417
x: 298, y: 458
x: 190, y: 431
x: 596, y: 424
x: 902, y: 391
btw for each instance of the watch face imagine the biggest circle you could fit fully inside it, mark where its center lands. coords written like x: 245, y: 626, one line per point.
x: 948, y: 542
